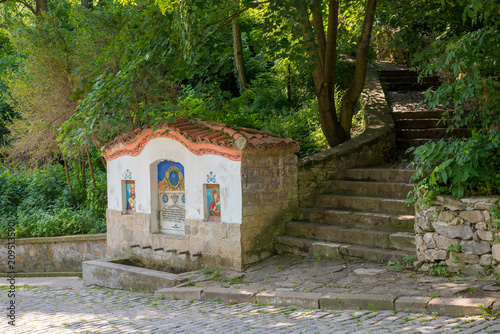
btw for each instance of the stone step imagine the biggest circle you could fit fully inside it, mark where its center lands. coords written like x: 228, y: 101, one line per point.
x: 370, y: 188
x: 408, y: 77
x: 423, y: 123
x: 363, y: 204
x: 400, y: 115
x: 436, y: 133
x: 408, y: 86
x: 398, y: 73
x: 286, y: 245
x: 380, y: 174
x: 349, y: 235
x: 371, y: 220
x: 404, y: 144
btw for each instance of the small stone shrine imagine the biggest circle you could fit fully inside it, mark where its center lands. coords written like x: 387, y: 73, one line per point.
x: 198, y: 192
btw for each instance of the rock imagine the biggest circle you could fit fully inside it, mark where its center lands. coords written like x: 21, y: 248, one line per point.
x: 476, y: 247
x: 481, y: 226
x: 474, y: 200
x: 419, y: 241
x: 485, y: 235
x: 417, y: 264
x: 424, y: 224
x: 473, y: 270
x: 369, y: 271
x: 474, y: 216
x: 491, y: 287
x: 433, y: 255
x: 429, y: 255
x: 420, y: 256
x: 466, y: 258
x: 450, y: 203
x: 485, y: 260
x: 459, y: 231
x: 486, y: 215
x: 440, y: 255
x: 482, y: 206
x: 446, y: 216
x: 429, y: 241
x: 495, y: 252
x: 444, y: 242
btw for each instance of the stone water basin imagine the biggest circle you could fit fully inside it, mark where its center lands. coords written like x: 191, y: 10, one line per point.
x: 120, y: 273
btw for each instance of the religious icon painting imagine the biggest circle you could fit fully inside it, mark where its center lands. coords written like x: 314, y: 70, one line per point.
x: 213, y: 202
x: 130, y: 196
x: 170, y: 176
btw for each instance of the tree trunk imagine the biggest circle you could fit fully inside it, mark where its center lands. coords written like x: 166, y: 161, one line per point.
x: 352, y: 94
x: 91, y: 169
x: 86, y: 3
x: 84, y: 176
x: 68, y: 181
x: 238, y: 54
x: 41, y: 7
x: 319, y: 49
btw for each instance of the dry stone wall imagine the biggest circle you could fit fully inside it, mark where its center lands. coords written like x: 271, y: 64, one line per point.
x: 54, y: 254
x: 460, y: 233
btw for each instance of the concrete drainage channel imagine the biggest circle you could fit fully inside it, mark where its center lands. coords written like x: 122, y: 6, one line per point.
x: 111, y: 274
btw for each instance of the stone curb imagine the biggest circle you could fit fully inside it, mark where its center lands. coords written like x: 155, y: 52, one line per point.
x: 452, y: 307
x: 66, y: 238
x: 45, y: 274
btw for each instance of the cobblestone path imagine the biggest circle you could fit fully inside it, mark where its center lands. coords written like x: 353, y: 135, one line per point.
x: 102, y: 310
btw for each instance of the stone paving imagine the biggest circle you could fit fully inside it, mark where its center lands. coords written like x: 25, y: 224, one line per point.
x: 91, y: 309
x: 347, y: 277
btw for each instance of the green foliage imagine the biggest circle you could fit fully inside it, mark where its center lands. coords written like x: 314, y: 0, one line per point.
x: 399, y: 265
x: 458, y: 167
x: 42, y: 205
x: 8, y: 63
x: 455, y: 248
x: 439, y: 269
x: 134, y: 78
x: 495, y: 215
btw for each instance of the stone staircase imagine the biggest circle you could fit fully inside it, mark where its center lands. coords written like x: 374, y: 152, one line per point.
x: 364, y: 216
x: 415, y: 124
x: 400, y: 78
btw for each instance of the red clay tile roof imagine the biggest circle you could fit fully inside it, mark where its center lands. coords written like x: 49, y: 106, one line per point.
x: 199, y: 131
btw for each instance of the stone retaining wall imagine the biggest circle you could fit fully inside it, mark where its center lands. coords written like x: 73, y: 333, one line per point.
x: 374, y: 145
x: 269, y: 192
x: 459, y: 233
x: 54, y: 254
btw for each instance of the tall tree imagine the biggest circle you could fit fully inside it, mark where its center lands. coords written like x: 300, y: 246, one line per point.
x: 38, y: 8
x: 322, y: 50
x: 321, y: 46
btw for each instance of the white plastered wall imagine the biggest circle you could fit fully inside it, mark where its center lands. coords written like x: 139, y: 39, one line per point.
x: 196, y: 168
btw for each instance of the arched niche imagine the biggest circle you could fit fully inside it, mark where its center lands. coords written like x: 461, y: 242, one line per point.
x: 168, y: 197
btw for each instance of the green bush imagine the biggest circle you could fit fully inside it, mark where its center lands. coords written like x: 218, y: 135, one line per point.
x: 458, y: 167
x: 41, y: 203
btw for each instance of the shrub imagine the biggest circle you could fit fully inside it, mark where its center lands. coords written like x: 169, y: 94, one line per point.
x: 458, y: 167
x: 42, y: 205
